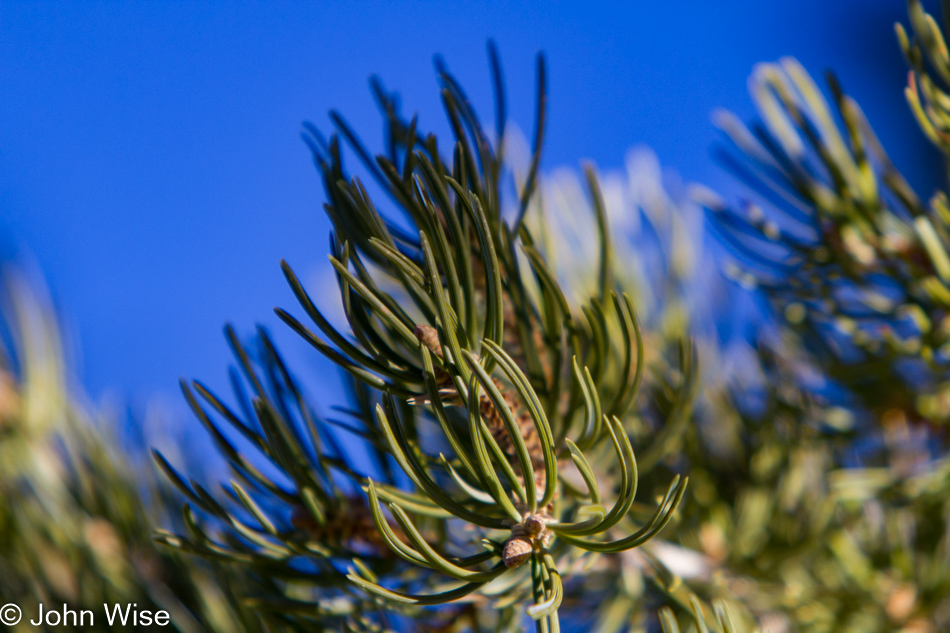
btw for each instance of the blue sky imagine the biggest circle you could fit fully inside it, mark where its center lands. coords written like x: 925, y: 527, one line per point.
x: 150, y: 161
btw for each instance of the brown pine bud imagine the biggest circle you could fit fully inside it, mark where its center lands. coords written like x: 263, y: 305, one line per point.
x: 524, y: 536
x: 429, y: 336
x: 533, y: 525
x: 516, y: 552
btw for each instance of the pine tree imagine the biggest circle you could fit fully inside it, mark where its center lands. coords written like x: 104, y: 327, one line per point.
x: 76, y: 516
x: 501, y: 385
x: 542, y: 425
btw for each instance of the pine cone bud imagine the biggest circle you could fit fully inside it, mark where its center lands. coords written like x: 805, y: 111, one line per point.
x: 516, y: 552
x: 429, y: 336
x: 524, y: 537
x: 533, y: 525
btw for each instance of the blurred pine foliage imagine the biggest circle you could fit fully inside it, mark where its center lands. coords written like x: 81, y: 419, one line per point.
x: 76, y: 516
x: 543, y: 425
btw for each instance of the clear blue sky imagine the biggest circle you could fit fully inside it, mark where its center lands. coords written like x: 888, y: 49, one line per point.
x: 150, y: 161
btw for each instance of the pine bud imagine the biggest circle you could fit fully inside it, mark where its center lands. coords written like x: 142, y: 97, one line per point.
x: 516, y: 552
x: 429, y: 336
x: 524, y: 536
